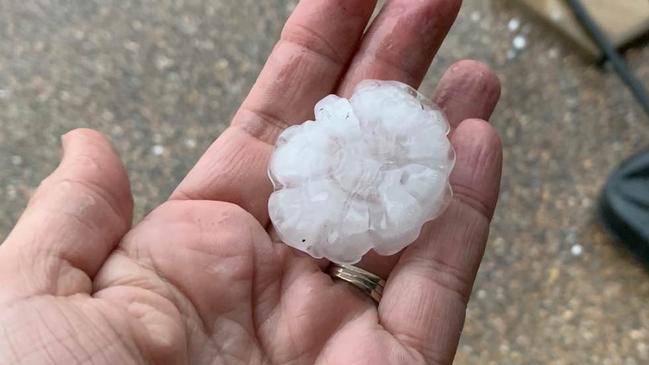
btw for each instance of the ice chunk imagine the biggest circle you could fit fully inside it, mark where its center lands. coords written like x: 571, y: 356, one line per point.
x: 368, y: 173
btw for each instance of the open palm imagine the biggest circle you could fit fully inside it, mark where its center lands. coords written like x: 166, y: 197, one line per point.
x: 203, y: 279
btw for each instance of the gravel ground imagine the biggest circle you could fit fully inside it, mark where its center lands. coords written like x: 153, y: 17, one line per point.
x: 162, y: 78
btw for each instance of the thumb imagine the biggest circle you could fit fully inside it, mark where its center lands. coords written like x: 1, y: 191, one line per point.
x: 74, y: 220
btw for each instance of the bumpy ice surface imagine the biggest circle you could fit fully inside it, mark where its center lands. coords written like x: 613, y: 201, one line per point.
x: 367, y: 174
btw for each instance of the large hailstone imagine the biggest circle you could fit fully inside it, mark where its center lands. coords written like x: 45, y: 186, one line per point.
x: 366, y: 174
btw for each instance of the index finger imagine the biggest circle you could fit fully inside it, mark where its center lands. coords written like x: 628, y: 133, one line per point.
x: 402, y: 41
x: 315, y: 47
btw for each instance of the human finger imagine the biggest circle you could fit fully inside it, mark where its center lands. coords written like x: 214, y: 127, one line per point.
x: 468, y: 89
x: 425, y: 297
x: 401, y: 42
x: 74, y: 220
x: 315, y: 48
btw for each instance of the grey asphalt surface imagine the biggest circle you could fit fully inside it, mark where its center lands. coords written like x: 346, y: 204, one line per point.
x: 162, y: 78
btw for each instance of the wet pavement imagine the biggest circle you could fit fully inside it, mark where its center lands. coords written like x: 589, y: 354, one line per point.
x: 162, y: 78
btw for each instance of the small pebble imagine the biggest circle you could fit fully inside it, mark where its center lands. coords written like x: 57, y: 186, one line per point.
x: 222, y: 64
x: 163, y: 62
x: 157, y: 150
x: 475, y: 16
x: 132, y: 46
x: 576, y: 250
x: 643, y: 350
x: 190, y: 143
x: 11, y: 192
x: 513, y: 25
x: 107, y: 115
x: 16, y: 160
x: 519, y: 42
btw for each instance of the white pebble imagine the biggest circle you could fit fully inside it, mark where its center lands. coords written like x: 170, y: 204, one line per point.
x: 11, y: 192
x: 475, y: 16
x: 519, y: 42
x: 577, y: 250
x: 190, y: 143
x: 162, y: 62
x: 157, y: 150
x: 107, y: 115
x: 16, y: 160
x: 513, y: 25
x: 222, y: 64
x: 132, y: 46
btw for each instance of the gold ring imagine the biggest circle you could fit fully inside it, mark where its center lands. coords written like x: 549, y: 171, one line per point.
x: 367, y: 282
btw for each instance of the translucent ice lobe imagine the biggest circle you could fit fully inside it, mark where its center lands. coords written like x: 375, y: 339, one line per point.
x: 334, y: 110
x: 304, y: 216
x: 404, y: 127
x: 310, y: 153
x: 368, y: 173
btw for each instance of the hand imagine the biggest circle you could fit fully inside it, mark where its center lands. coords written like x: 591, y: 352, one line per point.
x: 201, y: 280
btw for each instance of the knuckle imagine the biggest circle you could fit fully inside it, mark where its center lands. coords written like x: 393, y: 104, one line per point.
x: 208, y: 225
x: 471, y: 198
x: 84, y: 164
x: 90, y: 204
x: 86, y: 179
x: 81, y: 191
x: 445, y: 276
x: 303, y: 36
x: 479, y: 73
x: 210, y: 213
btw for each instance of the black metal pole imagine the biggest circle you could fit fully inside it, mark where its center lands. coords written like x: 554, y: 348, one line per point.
x: 617, y: 61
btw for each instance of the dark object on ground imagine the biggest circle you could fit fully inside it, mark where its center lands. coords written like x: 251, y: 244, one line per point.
x: 610, y: 52
x: 624, y: 205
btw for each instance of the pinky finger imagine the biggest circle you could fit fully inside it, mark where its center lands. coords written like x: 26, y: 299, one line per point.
x: 426, y: 294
